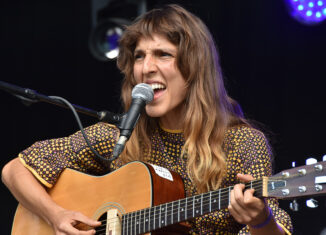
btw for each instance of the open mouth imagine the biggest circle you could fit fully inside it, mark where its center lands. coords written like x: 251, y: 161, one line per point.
x: 158, y: 89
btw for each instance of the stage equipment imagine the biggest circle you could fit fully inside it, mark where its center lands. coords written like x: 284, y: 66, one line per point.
x: 309, y: 12
x: 109, y: 17
x: 142, y: 94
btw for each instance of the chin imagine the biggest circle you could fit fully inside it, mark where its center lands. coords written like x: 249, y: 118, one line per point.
x: 154, y: 112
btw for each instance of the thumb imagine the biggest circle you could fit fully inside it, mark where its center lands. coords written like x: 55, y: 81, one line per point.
x: 86, y: 220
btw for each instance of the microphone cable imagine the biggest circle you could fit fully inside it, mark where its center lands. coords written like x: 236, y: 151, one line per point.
x: 66, y: 102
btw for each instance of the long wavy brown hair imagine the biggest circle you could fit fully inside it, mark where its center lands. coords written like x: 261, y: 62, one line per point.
x: 209, y: 110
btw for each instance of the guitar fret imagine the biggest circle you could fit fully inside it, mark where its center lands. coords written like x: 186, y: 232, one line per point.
x: 179, y: 211
x: 172, y: 212
x: 186, y: 207
x: 160, y: 216
x: 166, y: 209
x: 135, y: 222
x: 154, y: 226
x: 210, y: 201
x: 219, y: 199
x: 127, y: 225
x: 201, y: 204
x: 138, y: 221
x: 193, y: 206
x: 144, y: 221
x: 123, y: 224
x: 150, y: 219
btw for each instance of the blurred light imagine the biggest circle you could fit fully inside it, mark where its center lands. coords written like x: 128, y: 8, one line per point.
x: 312, y: 203
x: 309, y: 12
x: 109, y: 18
x: 324, y: 158
x: 104, y: 40
x: 310, y: 161
x: 113, y: 53
x: 323, y: 232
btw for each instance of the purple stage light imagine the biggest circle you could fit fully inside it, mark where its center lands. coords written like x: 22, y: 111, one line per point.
x: 308, y: 12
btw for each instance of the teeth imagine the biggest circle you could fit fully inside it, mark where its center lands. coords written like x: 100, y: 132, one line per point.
x: 157, y: 86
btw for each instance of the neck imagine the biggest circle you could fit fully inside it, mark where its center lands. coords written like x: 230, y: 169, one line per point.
x: 169, y: 213
x: 173, y: 120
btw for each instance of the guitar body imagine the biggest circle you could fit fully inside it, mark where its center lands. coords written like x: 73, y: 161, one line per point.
x: 132, y: 187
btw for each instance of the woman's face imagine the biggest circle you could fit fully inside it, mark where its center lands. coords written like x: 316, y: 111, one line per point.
x: 155, y: 64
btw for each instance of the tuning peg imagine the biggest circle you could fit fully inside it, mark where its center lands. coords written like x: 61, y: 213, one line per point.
x: 312, y: 203
x: 310, y: 161
x: 294, y: 205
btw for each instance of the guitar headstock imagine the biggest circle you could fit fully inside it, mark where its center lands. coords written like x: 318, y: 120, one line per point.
x: 309, y: 180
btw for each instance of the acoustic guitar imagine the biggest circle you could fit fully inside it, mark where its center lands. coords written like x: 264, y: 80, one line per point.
x: 142, y: 198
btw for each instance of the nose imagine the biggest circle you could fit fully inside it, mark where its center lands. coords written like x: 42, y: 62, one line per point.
x: 149, y: 66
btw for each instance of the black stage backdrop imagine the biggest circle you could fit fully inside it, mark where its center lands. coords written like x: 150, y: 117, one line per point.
x: 273, y: 65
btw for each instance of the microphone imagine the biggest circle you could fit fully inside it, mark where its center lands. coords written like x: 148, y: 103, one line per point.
x: 141, y: 94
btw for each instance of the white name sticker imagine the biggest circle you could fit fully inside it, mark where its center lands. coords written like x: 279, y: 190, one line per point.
x: 163, y: 172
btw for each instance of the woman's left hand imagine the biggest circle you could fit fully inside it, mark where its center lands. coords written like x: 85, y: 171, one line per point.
x: 244, y: 206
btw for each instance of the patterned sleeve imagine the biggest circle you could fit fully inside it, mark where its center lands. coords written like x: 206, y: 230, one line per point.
x: 257, y: 162
x: 47, y: 159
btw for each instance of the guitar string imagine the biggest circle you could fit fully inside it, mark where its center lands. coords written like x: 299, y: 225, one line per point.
x: 223, y: 197
x: 176, y: 210
x: 133, y: 227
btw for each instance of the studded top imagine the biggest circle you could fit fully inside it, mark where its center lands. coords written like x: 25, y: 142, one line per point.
x: 247, y: 152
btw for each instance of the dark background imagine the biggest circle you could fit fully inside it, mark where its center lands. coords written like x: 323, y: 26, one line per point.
x: 273, y: 65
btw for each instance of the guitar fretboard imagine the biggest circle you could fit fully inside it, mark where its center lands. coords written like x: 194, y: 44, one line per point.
x: 160, y: 216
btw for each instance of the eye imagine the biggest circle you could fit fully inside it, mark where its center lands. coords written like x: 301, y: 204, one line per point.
x: 138, y: 56
x: 165, y: 54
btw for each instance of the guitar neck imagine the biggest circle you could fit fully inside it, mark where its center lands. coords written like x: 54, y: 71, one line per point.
x: 160, y: 216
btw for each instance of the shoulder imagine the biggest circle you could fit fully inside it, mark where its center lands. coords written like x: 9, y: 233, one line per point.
x: 101, y: 128
x: 246, y: 139
x: 243, y: 133
x: 248, y: 151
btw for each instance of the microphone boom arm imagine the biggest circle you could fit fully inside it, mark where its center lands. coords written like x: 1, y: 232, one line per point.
x: 29, y: 96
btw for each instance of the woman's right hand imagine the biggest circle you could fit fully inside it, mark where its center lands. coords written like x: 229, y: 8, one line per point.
x: 64, y: 222
x: 33, y: 196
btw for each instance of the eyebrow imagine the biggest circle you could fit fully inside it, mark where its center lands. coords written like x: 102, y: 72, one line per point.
x: 172, y: 51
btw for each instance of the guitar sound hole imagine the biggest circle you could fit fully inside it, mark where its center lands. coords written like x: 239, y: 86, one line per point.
x: 101, y: 229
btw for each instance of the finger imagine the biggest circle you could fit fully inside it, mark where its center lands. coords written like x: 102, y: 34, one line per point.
x: 73, y: 231
x: 89, y: 232
x: 245, y: 178
x: 238, y: 193
x: 251, y: 202
x: 236, y: 210
x: 86, y: 220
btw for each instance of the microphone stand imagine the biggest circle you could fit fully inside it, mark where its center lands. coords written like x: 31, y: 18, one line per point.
x: 29, y: 96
